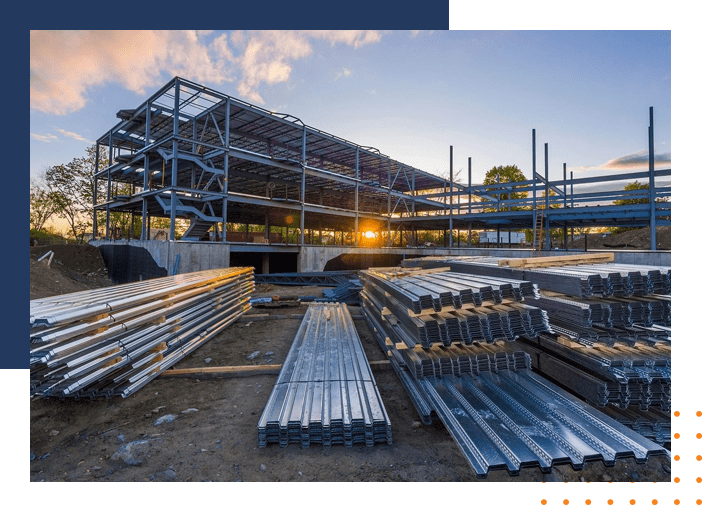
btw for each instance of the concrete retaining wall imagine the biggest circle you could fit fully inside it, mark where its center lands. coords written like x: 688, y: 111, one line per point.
x: 194, y: 256
x: 314, y: 258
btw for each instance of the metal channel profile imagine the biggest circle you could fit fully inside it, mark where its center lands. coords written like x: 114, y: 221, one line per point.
x: 586, y: 281
x: 113, y: 341
x: 325, y: 392
x: 502, y: 416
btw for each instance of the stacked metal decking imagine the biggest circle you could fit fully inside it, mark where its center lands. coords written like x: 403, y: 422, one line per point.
x: 442, y: 308
x: 586, y: 281
x: 624, y: 376
x: 113, y: 341
x: 325, y: 392
x: 500, y: 413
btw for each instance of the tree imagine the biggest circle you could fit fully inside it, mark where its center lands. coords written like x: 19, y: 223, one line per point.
x: 72, y: 187
x: 42, y: 204
x: 630, y: 187
x: 509, y: 173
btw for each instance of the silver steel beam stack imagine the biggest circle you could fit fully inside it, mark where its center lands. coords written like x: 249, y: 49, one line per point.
x: 113, y: 341
x: 585, y: 281
x: 326, y: 392
x: 500, y: 414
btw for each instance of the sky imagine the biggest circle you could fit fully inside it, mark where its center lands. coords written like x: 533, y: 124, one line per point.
x: 410, y: 94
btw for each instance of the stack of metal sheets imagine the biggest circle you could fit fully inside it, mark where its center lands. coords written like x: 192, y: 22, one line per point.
x: 505, y: 416
x: 325, y: 393
x: 113, y: 341
x: 437, y: 291
x: 602, y: 280
x: 637, y: 377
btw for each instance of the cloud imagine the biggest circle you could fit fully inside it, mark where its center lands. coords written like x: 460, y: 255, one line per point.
x: 48, y: 137
x: 73, y: 135
x: 345, y: 72
x: 268, y: 55
x: 64, y: 66
x: 634, y: 161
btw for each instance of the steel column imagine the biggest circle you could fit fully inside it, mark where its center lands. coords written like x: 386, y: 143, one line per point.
x: 470, y: 205
x: 533, y: 176
x: 547, y: 242
x: 174, y: 161
x: 651, y: 181
x: 355, y: 227
x: 302, y: 189
x: 451, y: 197
x: 95, y: 188
x: 226, y: 173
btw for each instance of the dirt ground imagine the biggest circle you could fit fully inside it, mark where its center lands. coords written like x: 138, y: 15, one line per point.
x: 117, y: 440
x: 632, y: 239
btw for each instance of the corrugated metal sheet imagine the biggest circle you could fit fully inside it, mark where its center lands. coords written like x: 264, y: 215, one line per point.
x: 501, y: 414
x: 325, y: 392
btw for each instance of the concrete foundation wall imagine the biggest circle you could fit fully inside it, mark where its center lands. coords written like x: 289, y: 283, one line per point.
x: 313, y: 259
x: 194, y: 256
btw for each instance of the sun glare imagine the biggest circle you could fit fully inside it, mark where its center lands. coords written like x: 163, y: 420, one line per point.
x: 369, y: 234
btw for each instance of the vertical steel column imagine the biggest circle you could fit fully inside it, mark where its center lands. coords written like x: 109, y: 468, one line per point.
x: 174, y: 159
x: 499, y: 195
x: 226, y: 172
x: 533, y: 190
x: 571, y: 202
x: 302, y: 188
x: 389, y: 202
x: 414, y: 209
x: 547, y: 225
x: 451, y: 197
x: 95, y: 188
x: 147, y: 141
x: 109, y: 187
x: 565, y: 204
x: 355, y: 227
x: 651, y: 181
x: 470, y: 204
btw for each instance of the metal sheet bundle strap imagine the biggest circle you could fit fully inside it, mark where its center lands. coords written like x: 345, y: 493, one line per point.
x: 508, y: 417
x: 325, y: 392
x: 141, y: 329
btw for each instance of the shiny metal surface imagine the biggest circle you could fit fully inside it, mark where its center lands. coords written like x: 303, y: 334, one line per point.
x: 325, y: 392
x: 135, y: 336
x: 500, y: 413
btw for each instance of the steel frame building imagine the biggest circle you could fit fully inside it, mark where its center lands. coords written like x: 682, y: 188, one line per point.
x: 194, y: 153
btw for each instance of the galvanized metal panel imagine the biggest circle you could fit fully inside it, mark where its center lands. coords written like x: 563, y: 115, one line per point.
x: 326, y: 392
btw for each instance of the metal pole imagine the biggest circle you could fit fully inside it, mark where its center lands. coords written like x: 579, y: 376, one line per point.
x: 451, y: 197
x: 547, y: 244
x: 533, y: 190
x: 226, y: 173
x: 302, y: 189
x: 147, y: 141
x: 174, y: 161
x: 95, y: 188
x: 565, y: 204
x: 470, y: 205
x: 571, y: 203
x: 651, y: 181
x: 355, y: 228
x: 389, y: 203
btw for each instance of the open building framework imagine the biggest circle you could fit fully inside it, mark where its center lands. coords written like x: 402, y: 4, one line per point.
x: 193, y: 153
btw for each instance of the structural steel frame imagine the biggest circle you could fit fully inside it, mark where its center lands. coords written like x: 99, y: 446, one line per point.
x: 191, y: 152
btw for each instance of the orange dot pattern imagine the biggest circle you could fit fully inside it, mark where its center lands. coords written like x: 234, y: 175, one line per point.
x: 676, y: 414
x: 699, y: 479
x: 677, y: 435
x: 676, y: 458
x: 654, y: 502
x: 676, y: 479
x: 587, y: 502
x: 632, y: 502
x: 699, y: 458
x: 610, y: 502
x: 699, y: 413
x: 677, y: 502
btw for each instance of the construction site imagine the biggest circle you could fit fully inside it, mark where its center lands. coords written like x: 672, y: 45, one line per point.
x: 336, y: 345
